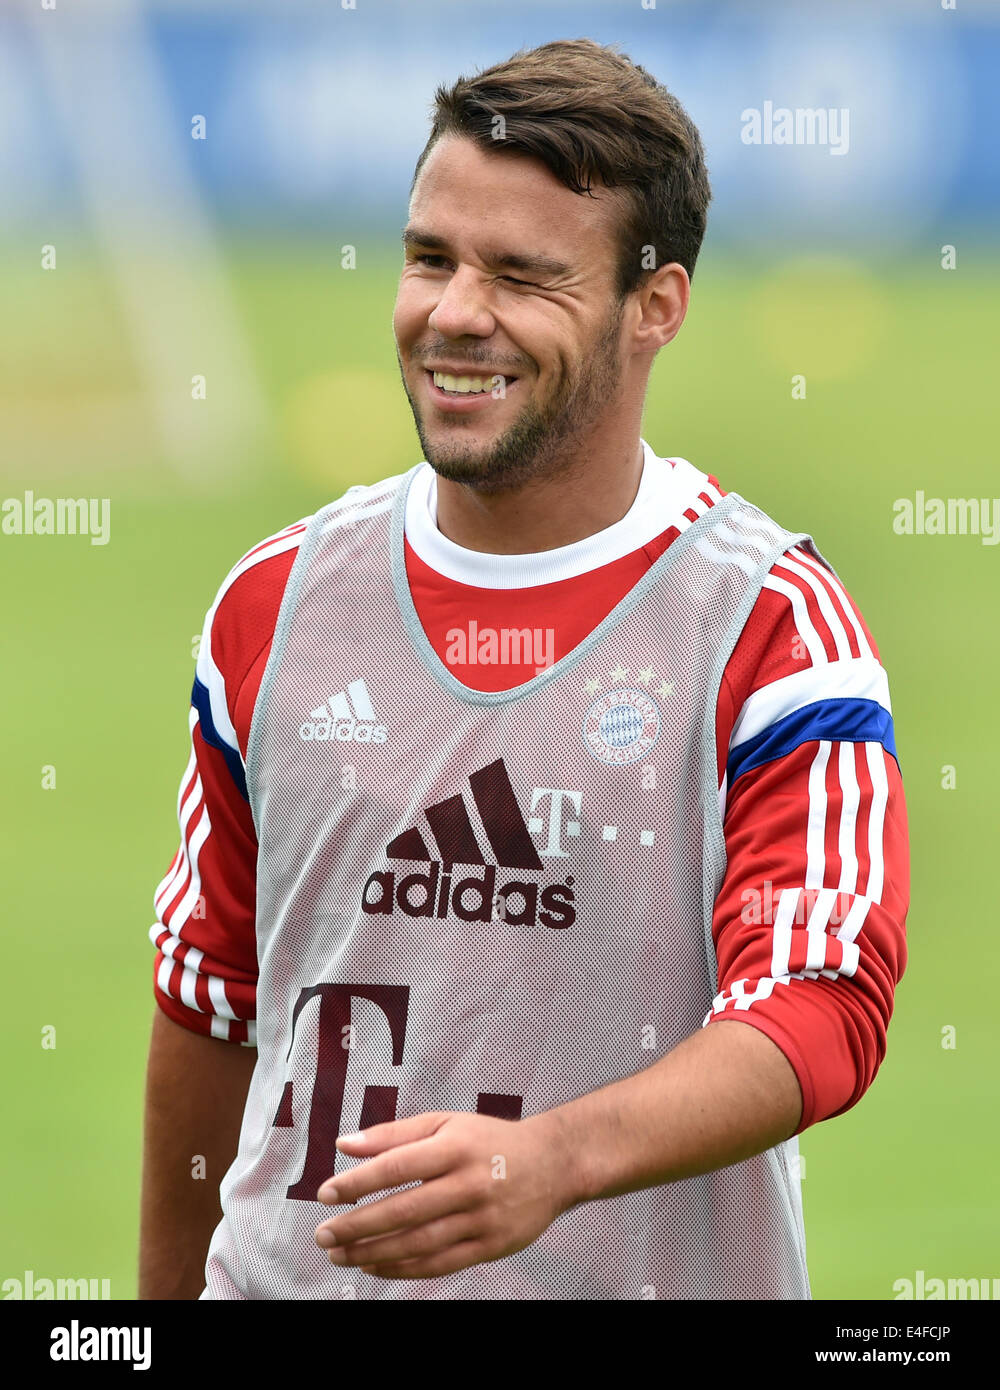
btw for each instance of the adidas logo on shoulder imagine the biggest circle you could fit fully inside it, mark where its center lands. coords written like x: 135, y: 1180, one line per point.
x: 347, y: 717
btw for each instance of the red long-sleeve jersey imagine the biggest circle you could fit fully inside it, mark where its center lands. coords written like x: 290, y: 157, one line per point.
x: 809, y: 922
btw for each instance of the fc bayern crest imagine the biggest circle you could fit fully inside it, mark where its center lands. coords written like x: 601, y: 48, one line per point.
x: 621, y: 727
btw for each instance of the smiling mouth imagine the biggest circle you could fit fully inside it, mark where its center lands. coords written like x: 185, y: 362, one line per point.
x: 470, y: 384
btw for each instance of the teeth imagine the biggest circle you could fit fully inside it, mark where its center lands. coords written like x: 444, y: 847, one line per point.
x: 464, y: 385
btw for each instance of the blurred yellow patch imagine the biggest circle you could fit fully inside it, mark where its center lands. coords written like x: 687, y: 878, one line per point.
x: 349, y: 426
x: 823, y: 317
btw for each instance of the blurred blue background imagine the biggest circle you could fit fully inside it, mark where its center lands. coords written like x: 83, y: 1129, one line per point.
x: 316, y: 113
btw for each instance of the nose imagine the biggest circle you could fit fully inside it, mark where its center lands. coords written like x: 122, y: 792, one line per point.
x: 463, y: 309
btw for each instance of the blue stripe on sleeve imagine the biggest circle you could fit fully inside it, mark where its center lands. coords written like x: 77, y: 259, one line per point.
x: 839, y: 721
x: 202, y: 703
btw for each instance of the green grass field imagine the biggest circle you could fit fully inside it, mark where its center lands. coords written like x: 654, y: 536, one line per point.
x: 98, y: 668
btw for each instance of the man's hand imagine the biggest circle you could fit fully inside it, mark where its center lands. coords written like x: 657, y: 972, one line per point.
x: 490, y: 1187
x: 487, y: 1189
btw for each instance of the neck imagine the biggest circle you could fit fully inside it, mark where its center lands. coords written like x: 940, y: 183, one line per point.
x: 593, y: 492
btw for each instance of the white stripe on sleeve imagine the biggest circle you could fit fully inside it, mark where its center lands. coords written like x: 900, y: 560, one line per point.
x: 858, y: 678
x: 833, y: 621
x: 816, y: 824
x: 864, y: 646
x: 847, y: 832
x: 876, y: 756
x: 800, y: 611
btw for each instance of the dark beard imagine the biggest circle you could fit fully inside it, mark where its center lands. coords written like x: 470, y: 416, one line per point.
x: 530, y: 449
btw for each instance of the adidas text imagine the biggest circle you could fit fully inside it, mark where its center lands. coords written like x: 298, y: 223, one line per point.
x: 435, y: 894
x: 343, y: 730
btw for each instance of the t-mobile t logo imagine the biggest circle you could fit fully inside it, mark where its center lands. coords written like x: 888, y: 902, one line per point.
x: 560, y: 821
x: 333, y: 1050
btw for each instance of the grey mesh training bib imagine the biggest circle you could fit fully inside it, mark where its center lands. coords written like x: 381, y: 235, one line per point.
x: 493, y: 903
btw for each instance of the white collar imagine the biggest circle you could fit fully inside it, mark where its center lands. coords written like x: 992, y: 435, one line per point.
x: 667, y: 488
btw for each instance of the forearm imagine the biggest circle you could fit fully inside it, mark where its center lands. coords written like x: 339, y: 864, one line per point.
x: 723, y: 1095
x: 196, y: 1090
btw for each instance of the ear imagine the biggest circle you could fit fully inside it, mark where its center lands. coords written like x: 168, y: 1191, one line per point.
x: 662, y: 302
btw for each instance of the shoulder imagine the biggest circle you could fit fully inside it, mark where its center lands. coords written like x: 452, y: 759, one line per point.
x: 245, y: 608
x: 364, y: 501
x: 804, y: 618
x: 243, y: 615
x: 248, y: 599
x: 238, y: 627
x: 806, y: 665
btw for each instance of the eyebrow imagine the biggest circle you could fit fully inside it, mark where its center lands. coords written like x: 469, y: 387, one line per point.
x: 502, y: 260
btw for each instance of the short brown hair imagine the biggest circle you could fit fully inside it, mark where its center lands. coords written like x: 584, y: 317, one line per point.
x: 591, y: 115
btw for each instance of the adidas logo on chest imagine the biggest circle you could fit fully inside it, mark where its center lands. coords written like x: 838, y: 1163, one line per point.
x: 440, y: 892
x: 347, y: 717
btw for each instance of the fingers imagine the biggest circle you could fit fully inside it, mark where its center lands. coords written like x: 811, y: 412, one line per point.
x: 398, y: 1144
x: 377, y: 1138
x: 401, y: 1212
x: 434, y: 1225
x: 421, y: 1242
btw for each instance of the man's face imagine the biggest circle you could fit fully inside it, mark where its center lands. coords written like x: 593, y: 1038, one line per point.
x: 507, y: 274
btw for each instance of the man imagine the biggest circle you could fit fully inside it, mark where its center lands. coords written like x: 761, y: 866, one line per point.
x: 515, y: 780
